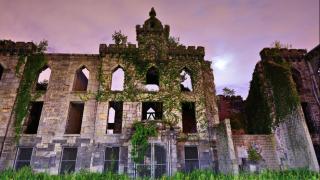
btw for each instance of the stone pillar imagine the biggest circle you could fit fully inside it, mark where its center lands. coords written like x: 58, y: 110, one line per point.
x: 226, y: 155
x: 294, y: 145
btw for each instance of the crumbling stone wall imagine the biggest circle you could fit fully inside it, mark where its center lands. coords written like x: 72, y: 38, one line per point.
x: 267, y: 146
x: 92, y: 141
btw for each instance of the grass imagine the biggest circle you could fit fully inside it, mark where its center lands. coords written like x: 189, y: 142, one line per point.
x: 27, y: 173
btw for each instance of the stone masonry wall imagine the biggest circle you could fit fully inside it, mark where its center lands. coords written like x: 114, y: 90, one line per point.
x: 266, y: 144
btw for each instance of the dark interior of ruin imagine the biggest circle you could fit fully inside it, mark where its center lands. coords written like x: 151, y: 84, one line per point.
x: 80, y: 81
x: 111, y: 159
x: 74, y: 118
x: 23, y: 157
x: 189, y: 124
x: 68, y: 161
x: 296, y: 76
x: 151, y: 110
x: 153, y: 76
x: 307, y: 114
x: 32, y: 122
x: 117, y: 125
x: 1, y: 71
x: 191, y: 158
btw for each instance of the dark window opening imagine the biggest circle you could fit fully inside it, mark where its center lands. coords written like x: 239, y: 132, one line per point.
x: 32, y: 123
x: 191, y: 158
x: 43, y: 79
x: 117, y: 81
x: 81, y: 80
x: 317, y: 150
x: 185, y: 81
x: 189, y: 123
x: 111, y: 159
x: 307, y: 115
x: 151, y: 110
x: 68, y: 161
x: 23, y: 158
x: 74, y: 118
x: 153, y: 76
x: 115, y: 117
x: 296, y: 76
x: 1, y: 71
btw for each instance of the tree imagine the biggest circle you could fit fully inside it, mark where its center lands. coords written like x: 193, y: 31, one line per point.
x: 42, y: 46
x: 119, y: 38
x: 228, y: 92
x: 174, y: 41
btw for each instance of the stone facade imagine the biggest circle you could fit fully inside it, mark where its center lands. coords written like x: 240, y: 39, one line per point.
x: 153, y: 49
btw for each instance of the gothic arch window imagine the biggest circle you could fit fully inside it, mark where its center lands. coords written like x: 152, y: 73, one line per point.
x: 81, y: 79
x: 296, y: 76
x: 117, y: 81
x: 1, y: 71
x: 43, y: 79
x: 186, y: 80
x: 152, y: 79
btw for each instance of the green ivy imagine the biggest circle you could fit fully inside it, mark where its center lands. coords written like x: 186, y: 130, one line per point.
x: 285, y: 95
x: 257, y: 109
x: 285, y: 98
x: 139, y: 139
x: 33, y: 65
x: 253, y: 154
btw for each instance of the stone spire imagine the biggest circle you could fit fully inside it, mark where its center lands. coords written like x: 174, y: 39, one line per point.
x: 152, y: 13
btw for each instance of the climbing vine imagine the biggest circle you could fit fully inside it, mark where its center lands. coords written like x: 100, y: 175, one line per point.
x: 285, y: 99
x: 139, y: 140
x: 34, y: 64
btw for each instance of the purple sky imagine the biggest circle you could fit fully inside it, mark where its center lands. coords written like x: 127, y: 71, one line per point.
x: 233, y: 32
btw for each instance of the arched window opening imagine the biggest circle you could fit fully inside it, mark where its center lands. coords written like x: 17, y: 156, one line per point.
x: 152, y: 78
x: 296, y: 76
x: 117, y: 81
x: 43, y: 79
x: 81, y: 79
x: 114, y: 125
x: 1, y: 71
x: 186, y: 82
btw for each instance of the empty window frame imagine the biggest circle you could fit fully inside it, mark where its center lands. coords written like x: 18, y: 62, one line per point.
x: 111, y: 159
x: 68, y: 160
x: 307, y: 114
x: 152, y: 79
x: 43, y: 79
x: 1, y: 71
x: 74, y: 121
x: 32, y: 123
x: 23, y: 157
x: 81, y: 79
x: 191, y: 158
x: 152, y: 110
x: 115, y: 117
x: 296, y: 76
x: 186, y: 81
x: 189, y: 123
x: 117, y: 81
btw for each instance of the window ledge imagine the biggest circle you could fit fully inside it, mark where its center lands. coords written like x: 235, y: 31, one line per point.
x: 71, y: 135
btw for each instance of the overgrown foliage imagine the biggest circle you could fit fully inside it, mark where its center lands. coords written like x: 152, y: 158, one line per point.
x: 285, y: 95
x: 285, y: 99
x: 119, y: 38
x: 253, y: 154
x: 139, y: 140
x: 257, y: 109
x: 26, y: 173
x: 35, y: 62
x: 228, y: 92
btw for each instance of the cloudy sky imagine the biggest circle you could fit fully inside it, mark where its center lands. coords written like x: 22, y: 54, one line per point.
x: 233, y: 32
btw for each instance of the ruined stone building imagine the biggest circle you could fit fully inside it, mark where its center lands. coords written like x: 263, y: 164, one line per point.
x: 84, y: 115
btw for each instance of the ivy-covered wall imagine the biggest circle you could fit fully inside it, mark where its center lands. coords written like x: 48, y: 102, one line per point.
x: 272, y: 95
